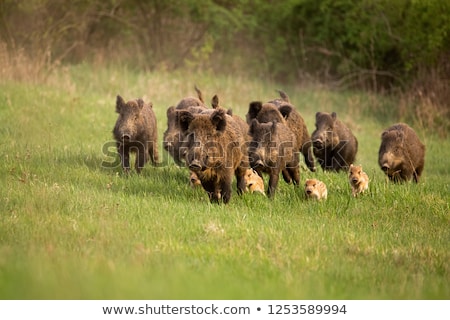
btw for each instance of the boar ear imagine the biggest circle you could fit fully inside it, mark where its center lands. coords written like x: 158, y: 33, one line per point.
x: 334, y: 116
x: 119, y: 103
x: 170, y: 111
x: 318, y: 114
x: 254, y: 109
x: 215, y: 101
x: 230, y: 112
x: 140, y: 103
x: 184, y: 119
x: 285, y: 110
x: 218, y: 119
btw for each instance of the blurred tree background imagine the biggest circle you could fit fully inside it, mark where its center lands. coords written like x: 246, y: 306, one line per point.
x: 379, y: 45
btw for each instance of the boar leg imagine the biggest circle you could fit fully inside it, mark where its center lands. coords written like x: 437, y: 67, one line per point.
x: 240, y: 178
x: 153, y: 152
x: 124, y: 153
x: 308, y: 155
x: 212, y: 190
x: 274, y: 176
x: 295, y: 174
x: 141, y: 158
x: 286, y: 176
x: 226, y: 190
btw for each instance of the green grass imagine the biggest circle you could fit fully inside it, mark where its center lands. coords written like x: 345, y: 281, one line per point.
x: 71, y: 228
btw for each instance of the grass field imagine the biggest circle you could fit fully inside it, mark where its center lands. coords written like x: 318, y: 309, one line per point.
x: 72, y: 227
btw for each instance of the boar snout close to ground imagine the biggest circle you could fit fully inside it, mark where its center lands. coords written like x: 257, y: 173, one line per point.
x: 334, y: 144
x: 401, y: 155
x: 215, y: 151
x: 135, y: 131
x: 273, y: 151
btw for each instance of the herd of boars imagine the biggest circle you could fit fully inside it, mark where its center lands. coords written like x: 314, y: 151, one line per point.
x: 218, y: 146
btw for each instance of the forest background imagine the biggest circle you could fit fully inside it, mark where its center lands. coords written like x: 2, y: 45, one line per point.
x: 399, y: 47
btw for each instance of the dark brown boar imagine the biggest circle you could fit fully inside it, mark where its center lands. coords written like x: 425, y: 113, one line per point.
x: 281, y: 110
x: 215, y: 151
x: 173, y: 138
x: 401, y: 155
x: 273, y: 151
x: 334, y: 144
x: 135, y: 131
x: 263, y: 112
x: 296, y: 123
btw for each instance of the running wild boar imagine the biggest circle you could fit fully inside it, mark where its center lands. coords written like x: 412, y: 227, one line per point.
x: 334, y: 144
x: 273, y: 151
x: 401, y: 155
x: 358, y: 179
x: 315, y: 189
x: 135, y: 131
x: 215, y: 151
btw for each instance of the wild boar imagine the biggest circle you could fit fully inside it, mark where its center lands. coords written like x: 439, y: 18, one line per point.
x: 215, y: 151
x: 173, y: 138
x: 401, y: 155
x: 358, y: 179
x: 334, y: 144
x: 273, y: 151
x: 315, y: 189
x: 254, y: 182
x: 281, y: 110
x: 135, y: 131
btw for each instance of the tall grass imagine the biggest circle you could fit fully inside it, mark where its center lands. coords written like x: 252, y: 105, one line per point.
x: 71, y: 228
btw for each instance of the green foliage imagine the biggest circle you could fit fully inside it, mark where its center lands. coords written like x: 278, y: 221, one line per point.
x: 372, y: 42
x: 72, y: 229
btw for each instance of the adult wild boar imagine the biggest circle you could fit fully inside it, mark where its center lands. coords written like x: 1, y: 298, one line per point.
x: 281, y: 110
x: 135, y: 131
x: 334, y: 144
x: 401, y: 155
x: 172, y: 139
x: 273, y: 151
x: 215, y: 151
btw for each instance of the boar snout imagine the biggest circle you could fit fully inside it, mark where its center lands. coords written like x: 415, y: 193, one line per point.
x: 259, y: 163
x: 168, y: 145
x: 126, y: 136
x: 195, y: 165
x: 385, y: 167
x: 317, y: 143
